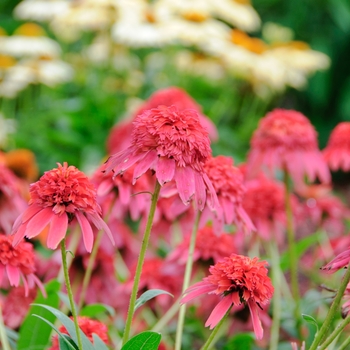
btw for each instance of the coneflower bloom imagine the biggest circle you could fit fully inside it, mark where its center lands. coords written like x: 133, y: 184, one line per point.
x: 337, y: 152
x: 18, y: 263
x: 175, y: 145
x: 286, y: 140
x: 228, y: 183
x: 236, y: 279
x: 61, y: 196
x: 88, y: 327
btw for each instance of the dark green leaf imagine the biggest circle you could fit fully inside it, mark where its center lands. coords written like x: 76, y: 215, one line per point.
x: 35, y: 334
x: 150, y: 294
x: 143, y: 341
x: 63, y: 343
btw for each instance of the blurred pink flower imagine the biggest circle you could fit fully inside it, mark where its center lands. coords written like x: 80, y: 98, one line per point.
x: 228, y: 183
x: 89, y: 327
x: 12, y: 203
x: 175, y: 146
x: 16, y: 306
x: 18, y: 263
x: 340, y: 261
x: 286, y: 140
x: 60, y: 196
x: 120, y: 136
x: 236, y: 279
x: 337, y: 152
x: 209, y: 247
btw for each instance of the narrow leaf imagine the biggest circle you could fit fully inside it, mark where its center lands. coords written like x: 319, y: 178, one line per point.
x: 150, y: 294
x: 98, y: 342
x: 310, y: 319
x: 62, y: 340
x: 35, y: 334
x: 143, y: 341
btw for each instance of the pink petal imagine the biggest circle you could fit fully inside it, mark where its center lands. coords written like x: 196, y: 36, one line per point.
x: 124, y: 193
x: 101, y: 225
x: 219, y: 312
x: 25, y: 283
x: 115, y: 160
x: 254, y: 312
x: 13, y: 274
x: 58, y: 230
x: 194, y: 293
x: 19, y: 235
x: 36, y: 280
x: 214, y: 202
x: 144, y: 164
x: 104, y: 187
x: 17, y: 224
x: 30, y: 212
x: 201, y: 192
x: 39, y: 221
x: 184, y: 178
x: 86, y: 229
x: 165, y: 170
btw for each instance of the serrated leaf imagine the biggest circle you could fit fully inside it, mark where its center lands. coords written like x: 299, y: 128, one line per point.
x: 69, y: 324
x: 98, y: 342
x: 94, y: 309
x: 150, y: 294
x: 143, y: 341
x: 52, y: 326
x: 310, y: 319
x: 35, y: 334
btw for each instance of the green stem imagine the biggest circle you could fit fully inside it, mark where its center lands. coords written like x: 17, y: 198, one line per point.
x: 140, y: 263
x: 3, y: 336
x: 345, y: 344
x: 215, y: 331
x: 293, y: 259
x: 335, y: 333
x: 69, y: 291
x: 89, y: 269
x: 186, y: 283
x: 332, y: 311
x: 162, y: 322
x: 276, y: 302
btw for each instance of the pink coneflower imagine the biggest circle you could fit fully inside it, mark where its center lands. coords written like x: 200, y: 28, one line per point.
x: 264, y: 202
x: 173, y: 144
x: 236, y: 279
x: 60, y: 196
x: 89, y: 327
x: 209, y: 247
x: 11, y: 202
x: 16, y: 306
x: 18, y: 263
x: 337, y: 152
x: 286, y: 140
x: 228, y: 183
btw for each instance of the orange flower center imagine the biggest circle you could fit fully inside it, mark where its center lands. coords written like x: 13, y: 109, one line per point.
x: 30, y: 29
x: 193, y: 16
x: 7, y: 61
x: 251, y: 44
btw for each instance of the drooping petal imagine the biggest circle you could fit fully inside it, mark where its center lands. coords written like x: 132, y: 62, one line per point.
x: 201, y: 193
x: 86, y: 229
x: 19, y: 235
x: 13, y: 274
x: 254, y: 312
x: 104, y: 187
x: 101, y: 225
x: 39, y: 221
x: 219, y: 312
x: 57, y: 231
x: 190, y: 295
x: 184, y: 178
x: 165, y: 170
x: 146, y: 162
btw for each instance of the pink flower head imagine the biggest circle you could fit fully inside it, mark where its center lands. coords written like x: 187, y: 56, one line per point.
x: 228, y: 183
x: 174, y: 96
x: 18, y: 263
x: 119, y: 137
x: 286, y: 140
x: 60, y: 196
x: 88, y: 327
x: 337, y: 152
x: 173, y: 144
x: 11, y: 202
x: 340, y: 261
x: 209, y: 247
x: 236, y: 279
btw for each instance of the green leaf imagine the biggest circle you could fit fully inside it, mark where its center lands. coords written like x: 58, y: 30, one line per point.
x: 63, y: 343
x: 242, y: 341
x: 34, y: 334
x: 310, y: 319
x: 69, y: 324
x: 150, y: 294
x: 98, y: 342
x: 143, y: 341
x: 65, y: 299
x: 94, y: 309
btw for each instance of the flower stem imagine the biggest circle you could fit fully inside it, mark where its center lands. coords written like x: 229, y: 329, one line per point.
x: 69, y: 292
x: 332, y: 311
x: 167, y: 317
x: 3, y: 336
x: 276, y: 303
x: 293, y: 259
x: 335, y: 333
x: 186, y: 282
x: 89, y: 269
x: 345, y: 344
x: 140, y: 263
x: 215, y: 331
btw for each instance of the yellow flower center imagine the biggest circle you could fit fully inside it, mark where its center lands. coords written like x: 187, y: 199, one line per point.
x: 251, y: 44
x: 3, y: 32
x: 6, y: 61
x: 195, y: 16
x: 30, y: 29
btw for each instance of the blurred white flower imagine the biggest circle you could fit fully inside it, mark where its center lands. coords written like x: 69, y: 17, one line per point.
x: 7, y: 127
